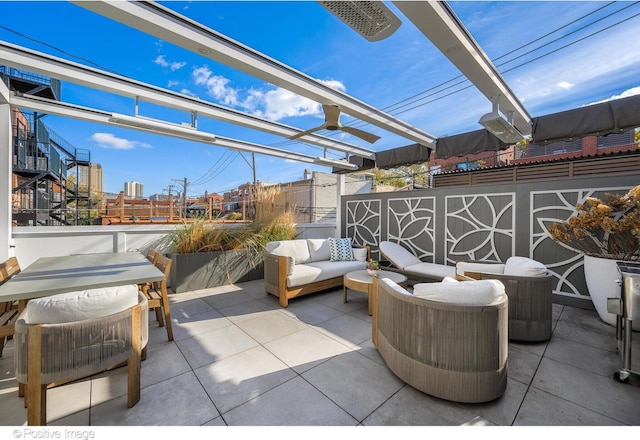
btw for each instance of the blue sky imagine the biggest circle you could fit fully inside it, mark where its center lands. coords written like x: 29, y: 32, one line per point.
x: 565, y: 55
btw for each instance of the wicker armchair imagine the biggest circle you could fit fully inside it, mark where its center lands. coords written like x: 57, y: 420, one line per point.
x: 452, y: 345
x: 58, y: 353
x: 529, y: 290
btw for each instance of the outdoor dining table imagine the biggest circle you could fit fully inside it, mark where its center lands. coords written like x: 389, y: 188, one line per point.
x: 52, y: 275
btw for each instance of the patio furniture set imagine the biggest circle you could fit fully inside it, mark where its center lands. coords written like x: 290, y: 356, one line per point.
x: 79, y: 315
x: 449, y: 336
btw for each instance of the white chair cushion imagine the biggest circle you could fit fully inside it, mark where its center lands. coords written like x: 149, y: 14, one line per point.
x: 471, y: 293
x: 399, y: 256
x: 467, y: 266
x: 395, y: 286
x: 524, y: 267
x: 319, y: 249
x: 360, y: 254
x: 340, y: 249
x: 432, y: 270
x: 321, y: 270
x: 81, y: 305
x: 298, y: 249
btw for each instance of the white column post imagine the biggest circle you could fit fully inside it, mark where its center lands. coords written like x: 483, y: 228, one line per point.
x: 339, y: 193
x: 6, y: 171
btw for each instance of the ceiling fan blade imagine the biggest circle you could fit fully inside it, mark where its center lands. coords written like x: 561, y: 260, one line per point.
x: 369, y: 137
x: 306, y: 132
x: 331, y: 114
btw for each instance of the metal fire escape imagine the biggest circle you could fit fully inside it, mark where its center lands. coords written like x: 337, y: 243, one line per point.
x: 41, y: 160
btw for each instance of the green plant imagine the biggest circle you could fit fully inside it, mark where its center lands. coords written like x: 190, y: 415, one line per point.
x: 373, y: 265
x: 608, y: 229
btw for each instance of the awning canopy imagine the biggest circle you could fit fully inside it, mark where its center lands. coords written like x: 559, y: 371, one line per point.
x: 472, y: 142
x: 601, y: 119
x: 402, y: 156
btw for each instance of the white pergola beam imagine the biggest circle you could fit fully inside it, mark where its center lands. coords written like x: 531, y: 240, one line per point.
x: 440, y: 25
x: 44, y: 105
x: 169, y: 26
x: 48, y: 65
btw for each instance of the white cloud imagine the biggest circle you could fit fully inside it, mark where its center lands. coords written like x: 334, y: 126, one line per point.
x: 280, y: 103
x: 217, y: 86
x: 172, y: 83
x: 629, y: 92
x: 565, y: 85
x: 161, y: 60
x: 108, y: 140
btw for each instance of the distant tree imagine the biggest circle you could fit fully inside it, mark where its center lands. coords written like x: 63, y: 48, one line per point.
x: 636, y: 136
x: 418, y: 174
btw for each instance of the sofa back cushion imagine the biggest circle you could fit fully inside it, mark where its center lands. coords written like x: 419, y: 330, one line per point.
x: 298, y: 249
x: 81, y: 305
x: 319, y: 249
x: 524, y: 267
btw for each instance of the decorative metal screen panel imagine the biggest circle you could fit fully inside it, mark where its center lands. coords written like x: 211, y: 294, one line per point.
x: 412, y: 221
x: 363, y: 223
x: 565, y: 264
x: 479, y: 227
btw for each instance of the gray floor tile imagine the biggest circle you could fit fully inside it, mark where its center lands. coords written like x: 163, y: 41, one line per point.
x: 65, y: 400
x: 294, y: 403
x: 522, y: 363
x: 206, y: 348
x: 598, y: 393
x: 179, y: 401
x: 236, y: 379
x: 185, y: 305
x: 247, y: 310
x: 312, y: 312
x: 543, y: 409
x: 501, y: 411
x: 223, y: 299
x: 603, y: 362
x: 410, y: 407
x: 305, y: 349
x: 586, y: 327
x: 347, y: 380
x: 346, y: 329
x: 272, y: 325
x: 186, y: 327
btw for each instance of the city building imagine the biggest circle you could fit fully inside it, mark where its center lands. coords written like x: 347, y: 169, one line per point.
x: 92, y: 177
x: 133, y: 190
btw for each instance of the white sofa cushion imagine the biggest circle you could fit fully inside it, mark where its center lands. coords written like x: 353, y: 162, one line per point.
x: 395, y: 286
x: 468, y: 266
x: 431, y: 270
x: 81, y: 305
x: 471, y: 293
x: 298, y: 249
x: 321, y: 270
x: 524, y: 267
x: 340, y: 249
x: 319, y: 249
x: 399, y: 256
x: 360, y: 254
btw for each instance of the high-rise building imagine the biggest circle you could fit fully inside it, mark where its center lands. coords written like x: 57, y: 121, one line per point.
x: 133, y: 190
x: 92, y: 177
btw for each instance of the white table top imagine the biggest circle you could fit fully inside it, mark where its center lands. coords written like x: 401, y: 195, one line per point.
x: 53, y: 275
x: 364, y: 277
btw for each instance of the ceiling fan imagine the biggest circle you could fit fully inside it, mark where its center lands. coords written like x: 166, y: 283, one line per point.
x: 332, y: 122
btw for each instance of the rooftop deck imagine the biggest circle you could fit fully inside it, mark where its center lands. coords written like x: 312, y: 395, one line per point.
x: 240, y: 359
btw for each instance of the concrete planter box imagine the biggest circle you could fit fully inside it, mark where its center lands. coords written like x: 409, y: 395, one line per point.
x: 210, y: 269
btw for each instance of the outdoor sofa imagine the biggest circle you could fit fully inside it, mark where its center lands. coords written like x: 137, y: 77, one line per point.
x: 297, y: 267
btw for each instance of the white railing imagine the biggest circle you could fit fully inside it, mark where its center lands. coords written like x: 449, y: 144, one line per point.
x: 30, y: 243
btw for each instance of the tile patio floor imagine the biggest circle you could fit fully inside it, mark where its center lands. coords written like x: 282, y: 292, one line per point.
x: 240, y: 359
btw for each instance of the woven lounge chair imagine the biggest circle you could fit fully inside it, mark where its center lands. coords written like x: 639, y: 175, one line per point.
x: 448, y: 340
x: 529, y: 287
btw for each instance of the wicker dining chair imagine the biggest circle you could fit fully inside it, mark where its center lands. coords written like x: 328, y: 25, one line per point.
x: 8, y: 310
x: 58, y: 352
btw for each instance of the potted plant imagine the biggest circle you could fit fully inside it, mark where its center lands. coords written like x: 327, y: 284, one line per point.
x: 605, y: 231
x: 373, y: 267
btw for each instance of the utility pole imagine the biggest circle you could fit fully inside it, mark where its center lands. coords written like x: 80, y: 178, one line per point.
x: 184, y: 195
